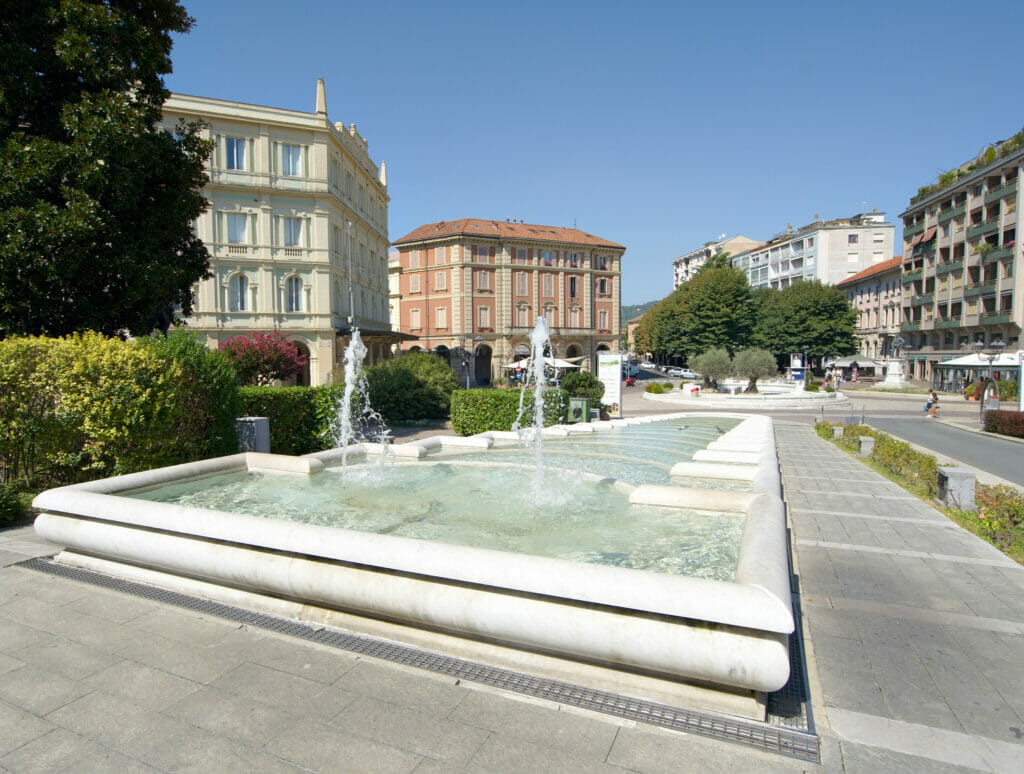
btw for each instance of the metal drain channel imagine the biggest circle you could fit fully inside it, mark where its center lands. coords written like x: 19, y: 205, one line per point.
x: 800, y: 743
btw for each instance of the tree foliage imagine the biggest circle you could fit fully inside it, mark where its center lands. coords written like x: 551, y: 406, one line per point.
x: 754, y: 364
x: 805, y: 317
x: 713, y: 365
x: 583, y: 384
x: 718, y: 310
x: 261, y: 358
x: 96, y: 204
x: 416, y: 385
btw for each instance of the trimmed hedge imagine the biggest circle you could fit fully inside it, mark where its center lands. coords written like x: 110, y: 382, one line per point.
x: 477, y: 411
x: 898, y: 457
x: 410, y: 387
x: 301, y: 418
x: 1005, y: 423
x: 655, y: 389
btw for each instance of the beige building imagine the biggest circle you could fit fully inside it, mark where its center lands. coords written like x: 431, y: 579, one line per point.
x: 472, y: 290
x: 686, y: 265
x: 297, y: 229
x: 875, y: 294
x: 829, y: 251
x: 962, y: 279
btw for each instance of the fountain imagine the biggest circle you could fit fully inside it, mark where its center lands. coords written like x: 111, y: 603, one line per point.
x: 370, y: 425
x: 415, y: 555
x: 540, y: 338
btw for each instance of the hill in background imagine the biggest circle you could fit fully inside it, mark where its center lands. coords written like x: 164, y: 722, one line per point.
x: 629, y: 311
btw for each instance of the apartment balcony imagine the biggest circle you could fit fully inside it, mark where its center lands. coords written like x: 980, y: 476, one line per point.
x: 980, y: 289
x: 910, y: 327
x: 945, y: 268
x: 996, y: 318
x: 923, y: 299
x: 910, y: 276
x: 972, y: 319
x: 910, y: 231
x: 923, y: 252
x: 999, y: 254
x: 946, y: 324
x: 1003, y: 190
x: 985, y: 227
x: 947, y: 215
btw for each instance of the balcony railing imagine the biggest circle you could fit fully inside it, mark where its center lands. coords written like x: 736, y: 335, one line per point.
x: 909, y: 231
x: 921, y: 300
x: 994, y: 318
x: 910, y: 326
x: 985, y: 227
x: 998, y: 254
x: 979, y: 289
x: 1001, y: 191
x: 944, y: 324
x: 945, y: 268
x: 947, y: 215
x: 910, y: 276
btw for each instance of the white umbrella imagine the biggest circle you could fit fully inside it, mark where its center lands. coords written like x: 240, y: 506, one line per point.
x: 553, y: 362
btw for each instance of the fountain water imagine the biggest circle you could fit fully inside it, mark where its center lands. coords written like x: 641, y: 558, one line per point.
x: 369, y: 424
x: 540, y: 338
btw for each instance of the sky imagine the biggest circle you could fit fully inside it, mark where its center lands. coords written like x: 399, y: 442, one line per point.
x: 657, y: 125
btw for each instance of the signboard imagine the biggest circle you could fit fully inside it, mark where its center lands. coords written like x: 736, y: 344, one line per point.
x: 796, y: 367
x: 609, y: 373
x: 1020, y: 380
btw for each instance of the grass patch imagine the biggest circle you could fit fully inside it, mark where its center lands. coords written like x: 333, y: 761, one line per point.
x: 1000, y: 516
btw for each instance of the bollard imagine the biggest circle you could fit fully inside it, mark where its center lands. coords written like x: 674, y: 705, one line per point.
x: 253, y: 434
x: 837, y: 433
x: 867, y: 445
x: 956, y: 488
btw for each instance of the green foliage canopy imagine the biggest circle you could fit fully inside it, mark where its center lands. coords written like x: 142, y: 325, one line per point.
x: 96, y: 204
x: 754, y: 364
x: 416, y: 385
x: 583, y: 384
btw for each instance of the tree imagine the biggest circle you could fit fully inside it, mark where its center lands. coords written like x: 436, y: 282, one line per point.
x: 583, y: 384
x: 260, y: 358
x: 96, y: 203
x: 719, y: 260
x: 754, y: 364
x: 718, y: 310
x: 806, y: 317
x: 713, y: 365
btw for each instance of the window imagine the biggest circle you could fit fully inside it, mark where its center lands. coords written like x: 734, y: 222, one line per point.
x: 414, y: 259
x: 291, y: 231
x: 348, y: 184
x: 481, y: 253
x: 483, y: 317
x: 852, y: 239
x: 574, y: 317
x: 602, y: 286
x: 441, y: 317
x: 852, y: 257
x: 293, y: 295
x: 548, y: 256
x: 291, y: 160
x: 522, y: 288
x: 549, y: 285
x: 439, y: 255
x: 237, y: 228
x: 602, y: 263
x: 520, y: 255
x: 574, y: 260
x: 523, y: 316
x: 234, y: 152
x: 238, y: 292
x: 574, y: 287
x: 810, y: 241
x: 483, y: 280
x: 441, y: 281
x: 414, y: 283
x: 602, y: 320
x: 414, y: 319
x: 878, y: 238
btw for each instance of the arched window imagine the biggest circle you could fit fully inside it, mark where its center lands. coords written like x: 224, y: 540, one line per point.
x: 238, y: 293
x: 293, y: 294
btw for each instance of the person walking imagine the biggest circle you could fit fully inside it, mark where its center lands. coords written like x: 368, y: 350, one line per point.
x: 932, y: 405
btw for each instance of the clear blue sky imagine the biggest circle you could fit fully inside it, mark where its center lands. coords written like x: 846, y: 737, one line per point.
x: 658, y: 125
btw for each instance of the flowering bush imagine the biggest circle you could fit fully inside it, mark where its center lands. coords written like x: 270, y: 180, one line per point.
x: 1000, y: 514
x: 260, y: 358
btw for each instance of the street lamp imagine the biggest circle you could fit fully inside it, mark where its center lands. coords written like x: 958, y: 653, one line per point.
x: 991, y: 354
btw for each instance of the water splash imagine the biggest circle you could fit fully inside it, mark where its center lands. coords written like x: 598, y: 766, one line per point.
x: 540, y: 338
x: 367, y: 424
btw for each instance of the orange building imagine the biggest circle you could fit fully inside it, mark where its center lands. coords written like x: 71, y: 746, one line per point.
x: 472, y: 290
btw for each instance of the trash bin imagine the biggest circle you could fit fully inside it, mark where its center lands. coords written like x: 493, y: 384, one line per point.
x: 579, y: 410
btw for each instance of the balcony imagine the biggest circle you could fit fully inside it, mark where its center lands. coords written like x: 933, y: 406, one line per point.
x: 999, y: 254
x: 922, y: 251
x: 947, y: 215
x: 945, y: 324
x: 910, y: 231
x: 945, y: 268
x: 910, y: 327
x: 985, y: 227
x: 910, y: 276
x: 979, y: 289
x: 1003, y: 190
x: 921, y: 300
x: 996, y: 318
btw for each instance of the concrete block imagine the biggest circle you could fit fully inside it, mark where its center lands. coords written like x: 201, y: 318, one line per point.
x: 837, y: 433
x: 956, y: 488
x: 867, y: 445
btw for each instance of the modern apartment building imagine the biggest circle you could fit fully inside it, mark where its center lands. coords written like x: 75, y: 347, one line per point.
x: 472, y: 290
x: 830, y: 251
x: 875, y: 294
x: 686, y: 265
x: 962, y: 283
x: 297, y: 229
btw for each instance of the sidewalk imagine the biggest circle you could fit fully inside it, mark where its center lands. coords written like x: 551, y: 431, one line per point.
x: 915, y: 637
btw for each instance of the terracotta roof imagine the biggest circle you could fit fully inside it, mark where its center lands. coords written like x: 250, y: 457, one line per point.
x: 871, y: 271
x: 497, y: 229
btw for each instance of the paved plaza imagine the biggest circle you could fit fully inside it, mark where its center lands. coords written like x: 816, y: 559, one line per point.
x: 914, y: 631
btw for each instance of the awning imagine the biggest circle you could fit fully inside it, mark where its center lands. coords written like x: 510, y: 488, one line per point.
x: 554, y: 362
x: 929, y: 234
x: 916, y: 240
x: 974, y: 360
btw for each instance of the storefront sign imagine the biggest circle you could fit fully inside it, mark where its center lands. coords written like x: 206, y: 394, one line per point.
x: 609, y: 373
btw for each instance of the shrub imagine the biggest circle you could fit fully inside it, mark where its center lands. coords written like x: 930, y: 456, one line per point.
x: 669, y: 386
x: 1005, y: 423
x: 477, y: 411
x: 260, y: 357
x: 414, y: 386
x: 714, y: 364
x: 300, y: 417
x: 812, y: 386
x: 654, y: 388
x: 583, y: 384
x: 1001, y: 514
x: 207, y: 401
x: 897, y: 457
x: 754, y: 364
x: 10, y: 504
x: 1008, y: 390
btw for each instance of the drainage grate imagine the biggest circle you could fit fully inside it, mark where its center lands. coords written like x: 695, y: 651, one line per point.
x: 789, y: 733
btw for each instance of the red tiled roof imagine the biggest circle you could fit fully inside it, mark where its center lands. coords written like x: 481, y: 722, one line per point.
x: 497, y: 229
x: 871, y: 271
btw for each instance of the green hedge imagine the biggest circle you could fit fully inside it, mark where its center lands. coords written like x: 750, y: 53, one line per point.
x: 477, y: 411
x: 1005, y: 423
x: 414, y: 386
x: 10, y: 504
x: 897, y: 457
x: 655, y: 389
x: 583, y: 384
x: 301, y: 418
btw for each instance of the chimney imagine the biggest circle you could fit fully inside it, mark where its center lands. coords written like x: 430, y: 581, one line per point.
x: 321, y: 98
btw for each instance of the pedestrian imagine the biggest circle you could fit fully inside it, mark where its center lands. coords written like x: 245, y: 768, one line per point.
x: 932, y: 404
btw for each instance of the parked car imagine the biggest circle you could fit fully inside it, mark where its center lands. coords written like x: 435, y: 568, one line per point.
x: 683, y: 373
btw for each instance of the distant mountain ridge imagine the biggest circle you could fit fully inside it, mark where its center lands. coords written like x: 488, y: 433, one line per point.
x: 629, y: 311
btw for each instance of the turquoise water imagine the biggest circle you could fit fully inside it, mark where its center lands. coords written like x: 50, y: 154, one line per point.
x: 491, y: 500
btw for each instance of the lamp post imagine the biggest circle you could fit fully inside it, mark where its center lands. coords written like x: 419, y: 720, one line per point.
x: 989, y: 400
